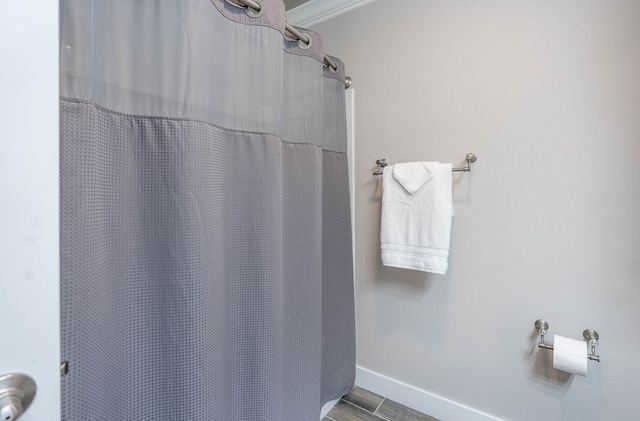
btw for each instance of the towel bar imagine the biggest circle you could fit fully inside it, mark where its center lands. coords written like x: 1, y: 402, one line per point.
x: 470, y: 157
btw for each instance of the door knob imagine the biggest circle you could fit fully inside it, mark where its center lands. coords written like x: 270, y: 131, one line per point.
x: 16, y: 394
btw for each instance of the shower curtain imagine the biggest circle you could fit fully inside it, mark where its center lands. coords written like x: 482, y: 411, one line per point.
x: 205, y: 229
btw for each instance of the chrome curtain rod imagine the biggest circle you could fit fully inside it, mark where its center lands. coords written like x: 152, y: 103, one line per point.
x: 299, y: 35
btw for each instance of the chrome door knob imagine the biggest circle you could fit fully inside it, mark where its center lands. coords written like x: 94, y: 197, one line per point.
x: 16, y: 394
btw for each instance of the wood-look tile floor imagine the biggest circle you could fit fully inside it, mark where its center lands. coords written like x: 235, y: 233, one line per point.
x: 362, y: 405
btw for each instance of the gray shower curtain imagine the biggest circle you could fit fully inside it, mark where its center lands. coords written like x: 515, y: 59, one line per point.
x: 205, y: 229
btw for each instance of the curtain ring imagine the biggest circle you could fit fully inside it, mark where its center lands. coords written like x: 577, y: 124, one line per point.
x: 304, y: 46
x: 252, y: 13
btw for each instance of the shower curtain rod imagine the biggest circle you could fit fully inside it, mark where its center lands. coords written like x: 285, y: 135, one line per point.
x: 299, y: 35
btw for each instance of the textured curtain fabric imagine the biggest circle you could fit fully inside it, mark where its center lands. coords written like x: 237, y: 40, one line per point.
x: 206, y: 239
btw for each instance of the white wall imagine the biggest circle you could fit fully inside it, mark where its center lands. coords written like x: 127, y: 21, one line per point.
x: 29, y: 200
x: 547, y: 94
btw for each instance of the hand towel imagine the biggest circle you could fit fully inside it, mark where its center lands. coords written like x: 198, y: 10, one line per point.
x: 417, y: 211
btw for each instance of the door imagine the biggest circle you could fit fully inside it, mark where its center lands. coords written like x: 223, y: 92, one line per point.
x: 29, y: 233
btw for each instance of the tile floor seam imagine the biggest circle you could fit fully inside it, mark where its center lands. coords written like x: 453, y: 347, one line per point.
x: 375, y: 413
x: 382, y: 417
x: 379, y: 405
x: 368, y: 412
x: 357, y: 406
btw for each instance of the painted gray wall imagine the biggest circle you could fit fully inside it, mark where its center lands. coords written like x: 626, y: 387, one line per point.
x: 547, y: 225
x: 290, y: 4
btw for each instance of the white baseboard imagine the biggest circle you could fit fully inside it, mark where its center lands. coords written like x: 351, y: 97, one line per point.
x: 420, y: 400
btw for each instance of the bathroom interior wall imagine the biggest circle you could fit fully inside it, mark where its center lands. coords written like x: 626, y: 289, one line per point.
x: 547, y: 225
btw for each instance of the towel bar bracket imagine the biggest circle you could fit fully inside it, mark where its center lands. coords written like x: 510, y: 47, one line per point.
x: 470, y: 157
x: 381, y: 164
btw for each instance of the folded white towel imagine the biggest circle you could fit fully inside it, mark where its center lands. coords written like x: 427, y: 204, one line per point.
x: 417, y: 209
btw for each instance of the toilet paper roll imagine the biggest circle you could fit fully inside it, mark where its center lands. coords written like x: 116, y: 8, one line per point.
x: 570, y: 355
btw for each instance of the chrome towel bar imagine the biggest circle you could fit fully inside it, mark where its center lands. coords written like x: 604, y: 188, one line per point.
x: 470, y: 157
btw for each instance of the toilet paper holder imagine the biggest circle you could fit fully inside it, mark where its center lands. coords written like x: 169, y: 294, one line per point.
x: 590, y: 335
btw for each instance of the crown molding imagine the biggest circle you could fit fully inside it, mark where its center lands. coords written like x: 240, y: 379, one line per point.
x: 314, y: 12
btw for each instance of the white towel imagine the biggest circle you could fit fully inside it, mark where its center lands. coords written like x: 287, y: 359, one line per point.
x: 417, y: 209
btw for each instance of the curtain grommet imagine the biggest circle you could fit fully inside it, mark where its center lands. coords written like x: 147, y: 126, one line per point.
x: 302, y: 45
x: 253, y: 13
x: 231, y: 3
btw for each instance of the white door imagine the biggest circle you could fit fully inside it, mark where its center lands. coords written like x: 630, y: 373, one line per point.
x: 29, y: 215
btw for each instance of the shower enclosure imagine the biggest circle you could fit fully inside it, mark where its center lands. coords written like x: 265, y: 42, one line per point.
x: 205, y: 222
